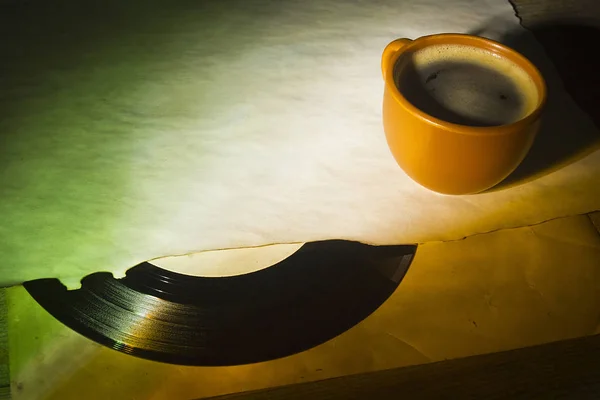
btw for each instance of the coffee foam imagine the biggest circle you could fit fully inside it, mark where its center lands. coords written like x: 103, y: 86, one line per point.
x: 466, y: 99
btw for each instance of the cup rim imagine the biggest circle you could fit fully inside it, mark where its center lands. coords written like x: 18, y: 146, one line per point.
x: 475, y: 41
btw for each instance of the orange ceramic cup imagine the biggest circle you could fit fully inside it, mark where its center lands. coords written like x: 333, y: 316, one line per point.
x: 443, y: 156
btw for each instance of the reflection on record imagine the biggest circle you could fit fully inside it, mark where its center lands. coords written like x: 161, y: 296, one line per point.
x: 317, y: 293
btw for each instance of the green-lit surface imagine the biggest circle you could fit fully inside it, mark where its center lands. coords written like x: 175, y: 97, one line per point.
x: 4, y: 363
x: 84, y: 94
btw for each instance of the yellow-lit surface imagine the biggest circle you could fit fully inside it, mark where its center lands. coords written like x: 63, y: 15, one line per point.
x: 486, y: 293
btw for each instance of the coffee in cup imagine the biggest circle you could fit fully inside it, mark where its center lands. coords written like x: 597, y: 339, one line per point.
x: 467, y: 85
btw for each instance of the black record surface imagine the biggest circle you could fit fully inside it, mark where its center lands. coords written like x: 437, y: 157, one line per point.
x: 312, y: 296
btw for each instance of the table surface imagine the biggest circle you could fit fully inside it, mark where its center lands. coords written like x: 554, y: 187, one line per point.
x: 487, y: 293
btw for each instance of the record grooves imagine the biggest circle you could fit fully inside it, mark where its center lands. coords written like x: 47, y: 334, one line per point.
x: 312, y: 296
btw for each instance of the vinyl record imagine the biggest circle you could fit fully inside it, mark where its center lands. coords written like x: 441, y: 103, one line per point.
x: 310, y: 297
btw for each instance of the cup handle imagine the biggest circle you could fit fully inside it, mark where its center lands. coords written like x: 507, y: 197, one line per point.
x: 389, y: 51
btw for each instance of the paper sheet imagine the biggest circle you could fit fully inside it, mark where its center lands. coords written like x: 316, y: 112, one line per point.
x: 499, y: 291
x: 138, y: 130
